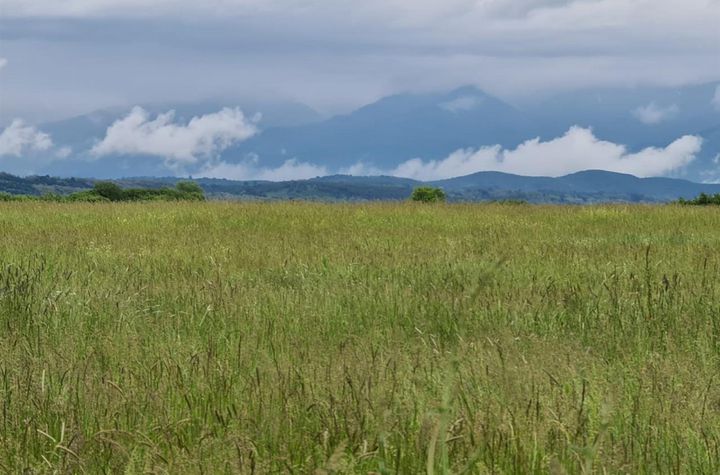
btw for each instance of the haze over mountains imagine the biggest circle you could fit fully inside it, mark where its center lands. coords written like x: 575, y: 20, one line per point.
x: 642, y: 131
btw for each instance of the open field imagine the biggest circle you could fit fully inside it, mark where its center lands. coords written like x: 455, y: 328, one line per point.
x: 390, y: 338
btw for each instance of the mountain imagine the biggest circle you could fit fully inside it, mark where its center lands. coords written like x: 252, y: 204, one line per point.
x: 592, y: 186
x: 383, y: 134
x: 634, y: 116
x: 613, y: 186
x: 583, y: 187
x: 395, y: 129
x: 638, y: 117
x: 430, y: 126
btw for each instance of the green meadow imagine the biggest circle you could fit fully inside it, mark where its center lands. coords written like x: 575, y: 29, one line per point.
x: 367, y: 338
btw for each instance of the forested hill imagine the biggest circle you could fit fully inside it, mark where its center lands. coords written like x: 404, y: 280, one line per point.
x: 583, y: 187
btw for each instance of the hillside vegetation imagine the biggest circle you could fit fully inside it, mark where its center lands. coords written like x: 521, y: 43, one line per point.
x: 588, y: 187
x: 702, y: 200
x: 389, y: 338
x: 106, y: 191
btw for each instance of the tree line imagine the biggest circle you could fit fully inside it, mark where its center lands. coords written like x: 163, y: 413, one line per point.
x: 107, y: 191
x: 703, y: 199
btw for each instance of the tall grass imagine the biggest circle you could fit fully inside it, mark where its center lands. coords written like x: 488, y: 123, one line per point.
x: 387, y: 338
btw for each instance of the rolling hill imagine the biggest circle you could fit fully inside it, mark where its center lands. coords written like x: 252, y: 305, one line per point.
x: 592, y: 186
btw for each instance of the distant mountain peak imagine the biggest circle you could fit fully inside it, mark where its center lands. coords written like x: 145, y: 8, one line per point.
x: 429, y: 125
x: 463, y: 103
x: 467, y: 90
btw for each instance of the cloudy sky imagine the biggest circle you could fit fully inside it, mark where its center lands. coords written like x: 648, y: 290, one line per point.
x: 60, y: 58
x: 64, y: 57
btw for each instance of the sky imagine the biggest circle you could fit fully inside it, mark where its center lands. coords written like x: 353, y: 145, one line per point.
x: 60, y: 58
x: 65, y: 57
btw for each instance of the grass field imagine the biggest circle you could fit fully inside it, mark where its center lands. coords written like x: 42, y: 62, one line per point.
x: 390, y: 338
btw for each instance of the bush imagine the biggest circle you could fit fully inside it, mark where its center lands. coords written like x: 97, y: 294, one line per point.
x: 516, y: 202
x: 703, y: 199
x: 109, y: 190
x: 106, y: 191
x: 188, y: 187
x: 428, y: 194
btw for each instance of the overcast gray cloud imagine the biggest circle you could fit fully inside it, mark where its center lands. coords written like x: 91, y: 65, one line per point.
x: 68, y: 56
x: 60, y: 58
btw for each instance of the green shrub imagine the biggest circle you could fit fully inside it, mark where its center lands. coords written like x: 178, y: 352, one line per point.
x: 703, y: 199
x: 10, y: 197
x: 106, y: 191
x: 509, y: 202
x: 188, y: 187
x: 109, y: 190
x: 428, y: 194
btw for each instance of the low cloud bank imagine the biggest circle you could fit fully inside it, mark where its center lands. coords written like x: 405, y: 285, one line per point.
x: 180, y: 145
x: 19, y: 138
x: 575, y: 151
x: 250, y: 169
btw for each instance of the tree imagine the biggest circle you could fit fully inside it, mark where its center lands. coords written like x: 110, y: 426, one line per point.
x: 428, y: 194
x: 189, y: 187
x: 109, y: 190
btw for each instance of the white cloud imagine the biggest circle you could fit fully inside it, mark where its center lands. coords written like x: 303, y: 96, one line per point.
x: 462, y: 104
x: 203, y: 137
x: 249, y: 170
x: 458, y: 163
x: 716, y: 98
x: 575, y: 151
x: 362, y: 169
x: 19, y: 138
x: 3, y: 62
x: 63, y: 152
x: 653, y: 114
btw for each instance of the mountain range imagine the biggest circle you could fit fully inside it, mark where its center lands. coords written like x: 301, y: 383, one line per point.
x: 430, y: 126
x: 592, y: 186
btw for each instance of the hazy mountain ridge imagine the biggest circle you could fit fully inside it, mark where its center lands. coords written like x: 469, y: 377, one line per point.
x: 430, y: 126
x: 590, y: 186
